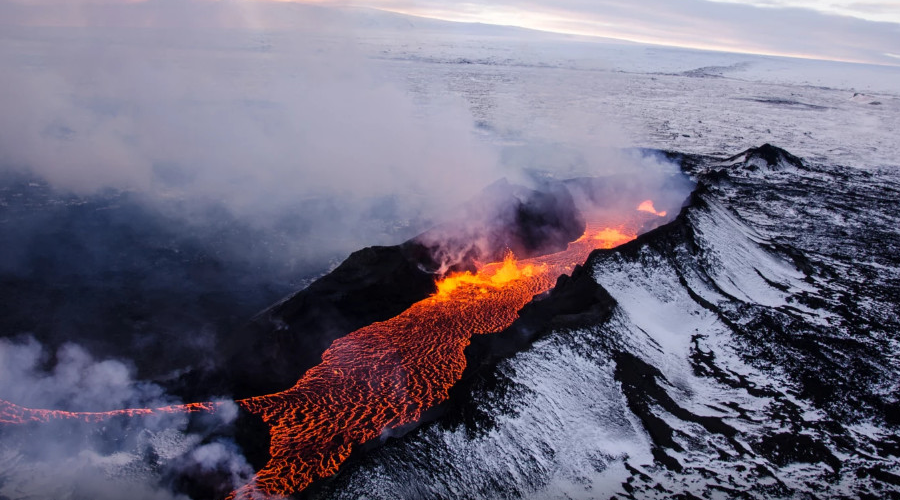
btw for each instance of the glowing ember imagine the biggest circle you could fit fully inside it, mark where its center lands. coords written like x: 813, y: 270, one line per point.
x: 613, y: 237
x: 492, y: 274
x: 384, y: 375
x: 647, y: 206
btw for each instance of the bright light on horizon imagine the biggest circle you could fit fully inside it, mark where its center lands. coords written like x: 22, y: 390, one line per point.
x: 880, y: 11
x: 552, y: 18
x: 835, y: 30
x: 590, y: 27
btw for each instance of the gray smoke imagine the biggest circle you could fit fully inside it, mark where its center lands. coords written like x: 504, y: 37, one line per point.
x: 73, y: 460
x: 296, y: 137
x: 74, y: 380
x: 261, y: 124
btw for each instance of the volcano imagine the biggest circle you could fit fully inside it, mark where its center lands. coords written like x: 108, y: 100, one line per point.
x: 743, y: 350
x: 422, y: 300
x: 575, y: 349
x: 378, y: 283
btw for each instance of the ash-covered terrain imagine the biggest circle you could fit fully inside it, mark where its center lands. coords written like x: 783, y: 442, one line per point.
x: 748, y: 349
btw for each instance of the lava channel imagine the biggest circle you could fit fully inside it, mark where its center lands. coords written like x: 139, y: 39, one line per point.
x: 387, y: 374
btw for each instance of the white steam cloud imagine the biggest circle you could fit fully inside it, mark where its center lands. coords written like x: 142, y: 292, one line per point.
x: 255, y: 128
x: 259, y: 123
x: 75, y: 382
x: 70, y: 460
x: 264, y: 126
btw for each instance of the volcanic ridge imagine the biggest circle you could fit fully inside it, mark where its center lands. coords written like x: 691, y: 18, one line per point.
x: 745, y: 348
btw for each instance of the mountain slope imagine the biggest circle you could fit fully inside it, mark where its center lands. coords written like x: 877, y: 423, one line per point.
x: 751, y: 353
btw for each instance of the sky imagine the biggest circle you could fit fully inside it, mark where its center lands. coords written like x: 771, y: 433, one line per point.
x: 837, y: 30
x: 844, y: 30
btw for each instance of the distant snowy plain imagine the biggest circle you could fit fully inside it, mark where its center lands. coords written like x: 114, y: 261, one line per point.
x: 658, y: 97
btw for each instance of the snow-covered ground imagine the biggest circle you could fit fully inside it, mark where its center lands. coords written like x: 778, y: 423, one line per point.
x: 619, y: 94
x: 746, y: 349
x: 742, y: 359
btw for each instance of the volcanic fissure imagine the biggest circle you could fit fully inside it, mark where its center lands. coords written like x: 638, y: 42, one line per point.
x: 384, y: 376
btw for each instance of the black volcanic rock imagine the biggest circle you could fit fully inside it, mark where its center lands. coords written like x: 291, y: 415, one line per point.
x: 766, y: 156
x: 279, y: 344
x: 504, y: 217
x: 573, y: 301
x: 377, y: 283
x: 785, y: 448
x: 748, y: 353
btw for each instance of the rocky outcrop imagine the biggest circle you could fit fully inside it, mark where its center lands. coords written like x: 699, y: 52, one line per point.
x: 377, y: 283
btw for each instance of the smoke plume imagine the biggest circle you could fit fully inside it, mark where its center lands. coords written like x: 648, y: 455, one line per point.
x: 70, y: 459
x: 262, y: 124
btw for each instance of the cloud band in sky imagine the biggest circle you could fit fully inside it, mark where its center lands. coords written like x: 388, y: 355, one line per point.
x: 835, y: 29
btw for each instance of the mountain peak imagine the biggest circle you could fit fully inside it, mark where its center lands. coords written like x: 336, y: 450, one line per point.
x: 765, y: 157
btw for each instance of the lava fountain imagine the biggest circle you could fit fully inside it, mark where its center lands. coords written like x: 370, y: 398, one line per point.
x: 647, y: 206
x: 385, y: 375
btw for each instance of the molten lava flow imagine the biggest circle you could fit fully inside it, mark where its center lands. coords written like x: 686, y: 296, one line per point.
x: 387, y: 374
x: 647, y: 206
x: 489, y: 275
x: 612, y: 237
x: 14, y: 414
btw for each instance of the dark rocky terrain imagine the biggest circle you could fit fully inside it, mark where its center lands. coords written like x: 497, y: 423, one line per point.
x: 127, y: 280
x: 378, y: 283
x: 748, y: 349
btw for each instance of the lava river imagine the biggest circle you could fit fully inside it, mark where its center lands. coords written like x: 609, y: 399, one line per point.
x: 387, y: 374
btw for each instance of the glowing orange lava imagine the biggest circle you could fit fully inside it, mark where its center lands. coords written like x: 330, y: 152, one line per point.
x: 492, y: 275
x: 14, y: 414
x: 387, y: 374
x: 647, y: 206
x: 611, y: 237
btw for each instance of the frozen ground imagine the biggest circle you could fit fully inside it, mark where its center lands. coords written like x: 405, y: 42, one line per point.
x: 529, y: 89
x: 614, y: 94
x: 752, y: 352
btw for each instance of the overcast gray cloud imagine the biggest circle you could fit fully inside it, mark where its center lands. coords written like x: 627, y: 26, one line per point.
x: 824, y: 30
x: 876, y: 10
x: 694, y: 23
